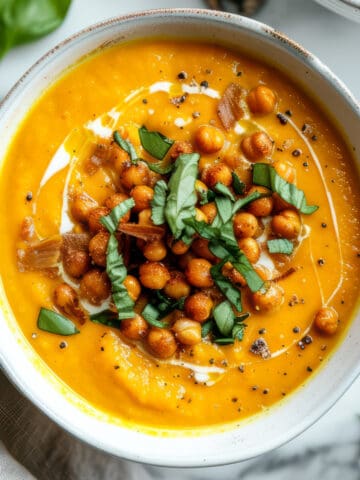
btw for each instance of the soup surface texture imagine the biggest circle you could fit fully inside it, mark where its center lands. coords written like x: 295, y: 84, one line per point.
x: 191, y: 245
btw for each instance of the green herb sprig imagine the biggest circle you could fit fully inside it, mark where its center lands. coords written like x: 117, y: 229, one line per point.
x: 53, y: 322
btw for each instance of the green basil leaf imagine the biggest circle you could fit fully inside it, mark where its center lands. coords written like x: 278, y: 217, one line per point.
x: 244, y: 267
x: 206, y: 196
x: 242, y: 202
x: 158, y: 203
x: 117, y: 272
x: 160, y: 167
x: 225, y: 208
x: 181, y: 200
x: 207, y: 327
x: 230, y: 291
x: 238, y: 186
x: 155, y: 143
x: 53, y: 322
x: 265, y: 175
x: 224, y: 317
x: 224, y: 190
x: 151, y: 314
x: 224, y: 341
x: 106, y: 317
x: 280, y: 245
x: 112, y: 220
x: 238, y: 331
x: 22, y: 21
x: 242, y: 317
x: 127, y: 146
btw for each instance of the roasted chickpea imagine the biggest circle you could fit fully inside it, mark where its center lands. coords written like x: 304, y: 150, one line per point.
x: 178, y: 247
x: 210, y: 210
x: 155, y: 251
x: 280, y: 204
x: 263, y: 272
x: 269, y: 298
x: 200, y: 188
x: 198, y: 273
x: 261, y: 99
x: 200, y: 247
x: 154, y: 275
x: 76, y: 262
x: 65, y: 298
x: 81, y: 207
x: 161, y: 342
x: 144, y: 217
x: 286, y: 224
x: 134, y: 328
x: 262, y: 207
x: 234, y: 275
x: 198, y: 306
x: 327, y: 320
x: 114, y: 200
x: 95, y: 286
x: 245, y: 225
x: 217, y: 173
x: 132, y: 175
x: 119, y: 158
x: 187, y: 331
x: 177, y: 287
x: 94, y: 223
x: 257, y: 146
x: 142, y: 195
x: 251, y: 248
x: 209, y: 139
x: 133, y: 287
x: 200, y: 215
x: 285, y: 170
x: 184, y: 259
x: 98, y: 247
x: 179, y: 148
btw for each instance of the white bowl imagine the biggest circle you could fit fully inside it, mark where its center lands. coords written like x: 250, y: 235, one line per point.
x: 28, y: 372
x: 347, y: 8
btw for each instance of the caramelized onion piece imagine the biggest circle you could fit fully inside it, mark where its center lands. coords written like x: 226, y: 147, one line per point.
x: 145, y: 232
x: 229, y: 108
x: 27, y: 229
x: 41, y: 255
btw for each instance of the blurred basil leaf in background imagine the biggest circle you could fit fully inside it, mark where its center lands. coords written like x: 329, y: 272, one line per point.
x: 22, y: 21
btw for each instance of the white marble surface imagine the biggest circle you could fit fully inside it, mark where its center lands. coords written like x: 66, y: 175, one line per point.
x: 331, y: 448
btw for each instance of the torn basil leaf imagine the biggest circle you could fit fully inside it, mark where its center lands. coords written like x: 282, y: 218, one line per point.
x: 181, y: 200
x: 158, y: 203
x: 112, y: 220
x: 280, y: 245
x: 266, y: 175
x: 207, y: 327
x: 106, y: 317
x: 225, y: 208
x: 155, y: 143
x: 53, y: 322
x: 230, y: 291
x: 224, y: 190
x: 242, y: 202
x: 160, y: 167
x: 224, y: 317
x: 127, y: 146
x: 238, y: 186
x: 151, y: 314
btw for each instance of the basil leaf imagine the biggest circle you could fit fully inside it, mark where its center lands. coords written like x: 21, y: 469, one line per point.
x: 230, y: 291
x: 206, y: 196
x: 151, y: 315
x: 207, y: 327
x: 224, y: 190
x: 112, y: 220
x: 106, y: 317
x: 224, y: 341
x: 242, y: 202
x: 117, y: 272
x: 127, y: 146
x: 22, y: 21
x: 224, y: 317
x: 238, y: 186
x: 158, y: 203
x: 265, y: 175
x: 181, y: 200
x: 280, y: 245
x: 155, y: 143
x: 160, y: 168
x: 225, y: 208
x: 238, y: 331
x: 53, y: 322
x: 243, y: 266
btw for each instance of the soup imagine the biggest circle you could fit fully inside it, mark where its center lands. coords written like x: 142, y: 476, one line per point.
x: 183, y: 240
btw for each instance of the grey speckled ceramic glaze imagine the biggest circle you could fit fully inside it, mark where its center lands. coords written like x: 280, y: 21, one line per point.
x: 22, y: 365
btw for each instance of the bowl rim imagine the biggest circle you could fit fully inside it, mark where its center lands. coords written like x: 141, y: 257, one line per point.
x: 310, y: 60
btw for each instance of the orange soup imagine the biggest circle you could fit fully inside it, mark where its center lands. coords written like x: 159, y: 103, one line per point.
x: 182, y: 242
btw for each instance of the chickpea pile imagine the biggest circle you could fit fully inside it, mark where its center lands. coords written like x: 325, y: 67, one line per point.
x: 177, y: 269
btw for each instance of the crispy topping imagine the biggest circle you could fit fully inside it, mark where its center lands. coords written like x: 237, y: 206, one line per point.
x: 229, y: 108
x: 260, y: 347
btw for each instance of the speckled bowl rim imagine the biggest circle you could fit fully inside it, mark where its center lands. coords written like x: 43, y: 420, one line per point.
x: 14, y: 373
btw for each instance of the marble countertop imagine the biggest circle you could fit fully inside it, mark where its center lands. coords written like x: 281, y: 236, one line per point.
x: 331, y: 448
